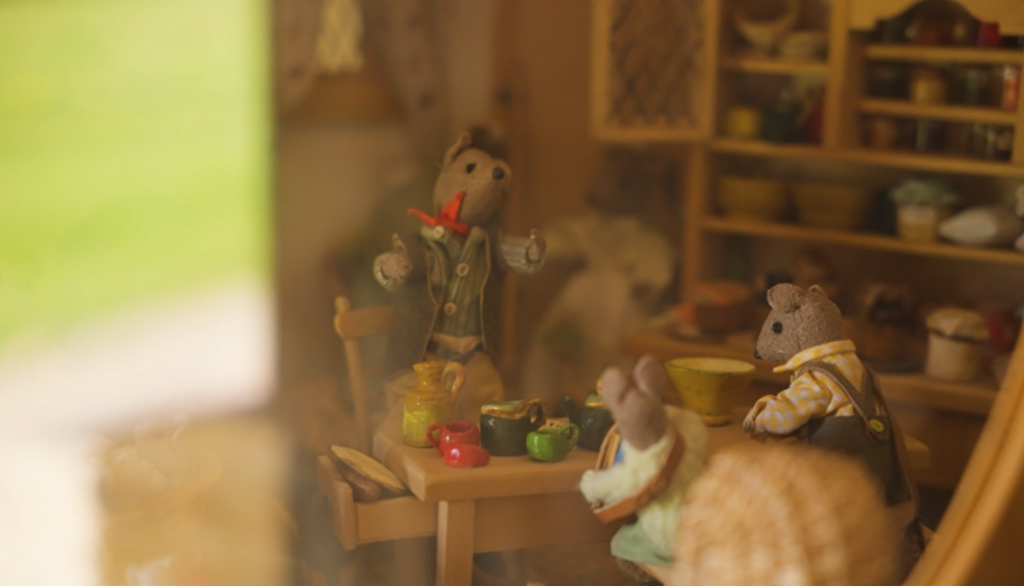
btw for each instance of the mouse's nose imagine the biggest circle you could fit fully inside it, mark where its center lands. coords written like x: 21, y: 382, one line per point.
x: 498, y: 173
x: 757, y: 354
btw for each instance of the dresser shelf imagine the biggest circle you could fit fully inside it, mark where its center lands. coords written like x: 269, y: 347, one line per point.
x: 948, y: 112
x: 937, y: 54
x: 936, y: 163
x: 769, y: 66
x: 862, y: 240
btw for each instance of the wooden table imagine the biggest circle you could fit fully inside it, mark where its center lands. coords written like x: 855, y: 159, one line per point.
x: 512, y: 503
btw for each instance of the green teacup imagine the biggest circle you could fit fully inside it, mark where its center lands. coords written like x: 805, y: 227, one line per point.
x: 504, y: 426
x: 551, y: 445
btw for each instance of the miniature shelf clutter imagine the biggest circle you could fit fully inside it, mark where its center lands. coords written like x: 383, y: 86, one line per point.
x: 713, y: 67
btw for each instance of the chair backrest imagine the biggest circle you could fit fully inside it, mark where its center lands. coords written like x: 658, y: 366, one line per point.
x: 351, y: 326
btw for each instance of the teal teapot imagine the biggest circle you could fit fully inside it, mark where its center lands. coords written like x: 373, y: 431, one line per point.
x: 593, y: 418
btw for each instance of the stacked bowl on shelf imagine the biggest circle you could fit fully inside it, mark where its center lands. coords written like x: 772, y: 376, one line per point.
x: 830, y: 206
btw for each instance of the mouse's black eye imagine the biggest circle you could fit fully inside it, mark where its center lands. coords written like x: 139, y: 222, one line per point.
x: 777, y: 328
x: 470, y: 167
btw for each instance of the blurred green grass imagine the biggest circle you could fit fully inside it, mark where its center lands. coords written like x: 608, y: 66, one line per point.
x: 134, y: 153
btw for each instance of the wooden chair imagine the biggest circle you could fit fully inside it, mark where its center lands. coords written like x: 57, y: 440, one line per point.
x: 352, y: 325
x: 400, y: 519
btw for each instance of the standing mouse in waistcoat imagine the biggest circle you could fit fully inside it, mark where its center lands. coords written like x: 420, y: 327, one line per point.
x: 833, y: 400
x: 447, y: 278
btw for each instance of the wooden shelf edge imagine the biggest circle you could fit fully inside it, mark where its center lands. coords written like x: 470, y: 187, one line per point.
x: 938, y: 111
x: 640, y: 134
x: 942, y: 54
x: 916, y: 389
x: 937, y: 163
x: 768, y: 149
x: 863, y: 240
x: 898, y: 159
x: 775, y: 66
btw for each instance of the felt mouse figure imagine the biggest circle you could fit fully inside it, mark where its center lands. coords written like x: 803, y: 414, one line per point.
x: 447, y: 278
x: 662, y: 451
x: 833, y: 400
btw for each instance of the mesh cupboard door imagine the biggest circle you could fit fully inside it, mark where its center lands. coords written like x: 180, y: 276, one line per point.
x: 653, y: 65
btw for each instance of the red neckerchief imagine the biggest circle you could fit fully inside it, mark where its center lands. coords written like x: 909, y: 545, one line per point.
x: 447, y: 217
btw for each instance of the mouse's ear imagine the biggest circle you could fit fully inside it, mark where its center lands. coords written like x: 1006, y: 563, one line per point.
x: 785, y: 297
x: 461, y: 144
x: 817, y: 289
x: 613, y: 384
x: 650, y: 376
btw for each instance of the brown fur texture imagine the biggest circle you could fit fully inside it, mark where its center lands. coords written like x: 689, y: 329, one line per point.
x: 484, y: 179
x: 635, y: 401
x: 483, y: 182
x: 799, y: 320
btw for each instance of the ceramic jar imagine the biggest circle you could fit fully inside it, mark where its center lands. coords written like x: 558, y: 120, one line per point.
x: 920, y: 223
x: 988, y: 35
x: 779, y: 120
x: 593, y: 418
x: 955, y: 337
x: 1009, y: 84
x: 927, y: 135
x: 504, y: 426
x: 974, y: 85
x: 887, y: 80
x: 743, y: 122
x: 430, y: 402
x: 883, y: 133
x: 928, y: 86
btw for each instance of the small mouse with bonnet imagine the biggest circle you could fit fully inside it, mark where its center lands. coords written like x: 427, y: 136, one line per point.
x: 662, y: 451
x: 833, y: 401
x: 447, y: 278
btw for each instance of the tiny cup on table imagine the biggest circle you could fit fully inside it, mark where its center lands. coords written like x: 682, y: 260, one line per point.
x: 552, y: 445
x: 453, y: 433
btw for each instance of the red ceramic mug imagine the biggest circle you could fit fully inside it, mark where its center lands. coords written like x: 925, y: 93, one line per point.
x: 466, y: 455
x: 453, y: 433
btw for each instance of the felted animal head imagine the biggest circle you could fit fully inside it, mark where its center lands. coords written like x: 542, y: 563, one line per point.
x: 799, y: 320
x: 635, y: 400
x: 482, y: 179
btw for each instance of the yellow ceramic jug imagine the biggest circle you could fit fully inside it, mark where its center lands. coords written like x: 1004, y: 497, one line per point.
x: 430, y: 402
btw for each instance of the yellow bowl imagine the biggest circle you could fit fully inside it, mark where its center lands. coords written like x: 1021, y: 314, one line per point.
x: 832, y: 206
x: 710, y: 386
x: 761, y: 200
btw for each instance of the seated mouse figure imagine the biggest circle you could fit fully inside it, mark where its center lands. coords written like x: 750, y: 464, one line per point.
x: 833, y: 401
x: 447, y: 279
x: 662, y: 452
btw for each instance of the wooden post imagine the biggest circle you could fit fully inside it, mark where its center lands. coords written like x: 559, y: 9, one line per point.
x: 694, y: 208
x: 510, y: 109
x: 600, y: 63
x: 354, y: 358
x: 839, y: 104
x: 1018, y: 128
x: 455, y: 520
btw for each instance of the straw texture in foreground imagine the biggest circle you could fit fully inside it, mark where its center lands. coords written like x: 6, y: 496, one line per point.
x: 785, y: 515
